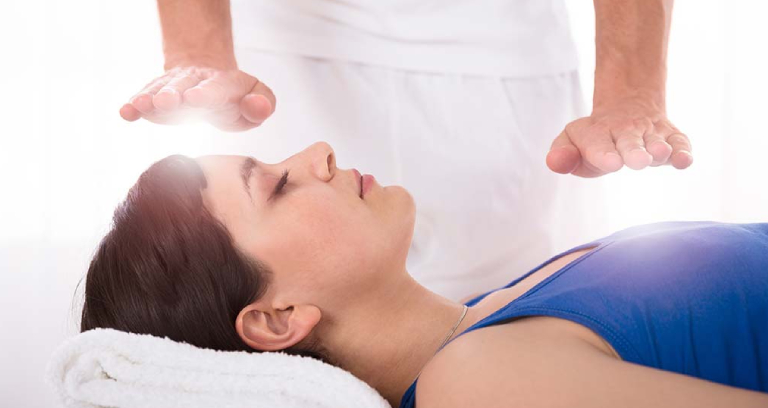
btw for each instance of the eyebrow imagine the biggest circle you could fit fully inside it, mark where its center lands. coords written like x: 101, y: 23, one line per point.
x: 246, y: 170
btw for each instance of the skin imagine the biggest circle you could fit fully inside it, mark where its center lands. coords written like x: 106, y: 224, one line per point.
x: 337, y: 261
x: 339, y: 277
x: 628, y: 124
x: 201, y: 77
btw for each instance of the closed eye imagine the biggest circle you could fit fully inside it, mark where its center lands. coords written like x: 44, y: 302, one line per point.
x: 279, y: 186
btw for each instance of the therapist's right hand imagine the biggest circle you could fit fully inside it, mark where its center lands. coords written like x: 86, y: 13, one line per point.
x: 229, y: 99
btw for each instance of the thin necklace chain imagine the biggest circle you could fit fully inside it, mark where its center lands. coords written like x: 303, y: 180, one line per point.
x: 455, y: 326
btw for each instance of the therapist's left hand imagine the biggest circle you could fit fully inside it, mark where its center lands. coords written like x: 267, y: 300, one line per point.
x: 632, y: 132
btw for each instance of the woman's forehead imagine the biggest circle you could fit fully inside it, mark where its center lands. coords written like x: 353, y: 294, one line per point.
x: 219, y: 159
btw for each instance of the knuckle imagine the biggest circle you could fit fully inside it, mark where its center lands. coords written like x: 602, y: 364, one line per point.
x: 577, y: 126
x: 627, y: 143
x: 653, y: 136
x: 678, y: 139
x: 644, y: 123
x: 623, y: 125
x: 597, y: 149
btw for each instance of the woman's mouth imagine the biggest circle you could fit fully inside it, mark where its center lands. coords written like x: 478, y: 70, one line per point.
x: 367, y: 181
x: 364, y: 182
x: 359, y: 182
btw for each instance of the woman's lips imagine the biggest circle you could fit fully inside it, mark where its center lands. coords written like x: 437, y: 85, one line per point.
x: 368, y: 181
x: 364, y: 182
x: 358, y: 182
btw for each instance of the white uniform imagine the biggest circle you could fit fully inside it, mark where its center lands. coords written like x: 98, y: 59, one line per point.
x: 456, y: 100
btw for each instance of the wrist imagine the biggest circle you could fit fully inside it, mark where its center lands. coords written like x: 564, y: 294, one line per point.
x: 619, y: 82
x: 200, y: 58
x: 622, y: 76
x: 197, y: 33
x: 652, y: 99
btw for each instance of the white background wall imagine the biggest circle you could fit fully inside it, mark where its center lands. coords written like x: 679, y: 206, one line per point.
x: 66, y: 158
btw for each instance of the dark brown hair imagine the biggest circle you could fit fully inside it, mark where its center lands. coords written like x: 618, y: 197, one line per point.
x: 168, y: 268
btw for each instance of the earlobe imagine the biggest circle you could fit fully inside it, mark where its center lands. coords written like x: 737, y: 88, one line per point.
x: 269, y: 329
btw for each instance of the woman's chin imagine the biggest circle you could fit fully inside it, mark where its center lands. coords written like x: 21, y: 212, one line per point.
x: 405, y: 201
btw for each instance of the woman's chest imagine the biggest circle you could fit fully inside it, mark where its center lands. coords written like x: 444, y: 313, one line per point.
x: 565, y: 328
x: 502, y: 297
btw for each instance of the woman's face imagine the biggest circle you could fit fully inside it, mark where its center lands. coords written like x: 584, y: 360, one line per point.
x: 318, y: 235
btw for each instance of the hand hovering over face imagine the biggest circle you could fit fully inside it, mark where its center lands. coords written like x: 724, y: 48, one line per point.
x: 201, y: 76
x: 229, y: 99
x: 633, y: 132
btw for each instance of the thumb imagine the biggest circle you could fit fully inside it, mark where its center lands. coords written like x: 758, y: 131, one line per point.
x: 563, y: 156
x: 257, y: 105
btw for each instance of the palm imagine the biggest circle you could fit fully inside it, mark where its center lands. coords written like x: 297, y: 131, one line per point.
x: 228, y: 99
x: 630, y: 133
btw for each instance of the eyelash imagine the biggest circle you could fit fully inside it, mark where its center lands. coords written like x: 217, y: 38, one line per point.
x: 280, y: 184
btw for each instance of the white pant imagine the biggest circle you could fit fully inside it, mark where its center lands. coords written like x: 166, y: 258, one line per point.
x: 470, y: 149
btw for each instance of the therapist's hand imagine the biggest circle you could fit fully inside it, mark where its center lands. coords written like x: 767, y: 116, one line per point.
x: 632, y: 132
x: 229, y: 99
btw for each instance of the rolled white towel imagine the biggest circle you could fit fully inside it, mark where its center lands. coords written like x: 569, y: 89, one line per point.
x: 110, y: 368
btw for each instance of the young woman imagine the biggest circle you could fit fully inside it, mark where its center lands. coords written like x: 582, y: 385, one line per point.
x: 228, y: 253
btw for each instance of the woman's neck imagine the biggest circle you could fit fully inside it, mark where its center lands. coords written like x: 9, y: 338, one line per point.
x: 392, y: 334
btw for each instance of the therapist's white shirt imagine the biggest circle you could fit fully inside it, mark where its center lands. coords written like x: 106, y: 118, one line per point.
x: 485, y: 37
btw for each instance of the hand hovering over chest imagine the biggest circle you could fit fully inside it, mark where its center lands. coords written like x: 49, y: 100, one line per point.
x: 632, y: 132
x: 628, y: 125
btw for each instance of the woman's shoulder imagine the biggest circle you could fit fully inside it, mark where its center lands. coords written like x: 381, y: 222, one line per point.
x: 499, y: 362
x: 532, y: 364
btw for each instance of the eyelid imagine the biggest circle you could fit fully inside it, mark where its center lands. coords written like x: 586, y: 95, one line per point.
x: 279, y: 186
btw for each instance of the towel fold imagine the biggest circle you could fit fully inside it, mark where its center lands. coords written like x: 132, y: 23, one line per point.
x: 110, y: 368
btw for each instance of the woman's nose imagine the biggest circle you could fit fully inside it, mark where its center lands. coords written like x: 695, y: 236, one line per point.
x: 322, y: 160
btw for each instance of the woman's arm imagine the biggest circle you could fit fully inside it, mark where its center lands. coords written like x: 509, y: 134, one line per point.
x: 531, y: 363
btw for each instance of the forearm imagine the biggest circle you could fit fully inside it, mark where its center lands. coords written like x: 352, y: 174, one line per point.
x: 631, y: 49
x: 197, y: 32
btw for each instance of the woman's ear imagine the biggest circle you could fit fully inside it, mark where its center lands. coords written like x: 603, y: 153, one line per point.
x: 265, y: 328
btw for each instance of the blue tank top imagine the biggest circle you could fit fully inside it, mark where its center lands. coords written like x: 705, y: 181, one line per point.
x: 686, y: 297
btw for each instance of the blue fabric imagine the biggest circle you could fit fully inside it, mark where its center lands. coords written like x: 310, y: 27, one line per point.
x: 686, y: 297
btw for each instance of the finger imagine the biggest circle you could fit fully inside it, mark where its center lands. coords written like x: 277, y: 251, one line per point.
x: 563, y: 156
x: 209, y: 93
x: 656, y: 143
x: 129, y: 113
x: 681, y: 150
x: 224, y: 116
x: 631, y: 147
x: 230, y: 119
x: 599, y: 150
x: 259, y: 104
x: 142, y: 101
x: 586, y: 170
x: 169, y: 96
